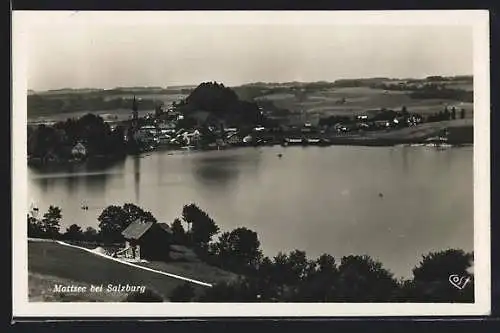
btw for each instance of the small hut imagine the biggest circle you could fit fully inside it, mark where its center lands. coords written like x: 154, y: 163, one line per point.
x: 147, y: 240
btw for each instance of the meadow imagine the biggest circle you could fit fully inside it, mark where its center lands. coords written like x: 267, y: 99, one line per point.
x: 354, y: 100
x: 50, y: 263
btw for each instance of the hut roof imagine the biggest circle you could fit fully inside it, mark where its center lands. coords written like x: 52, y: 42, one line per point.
x: 138, y: 228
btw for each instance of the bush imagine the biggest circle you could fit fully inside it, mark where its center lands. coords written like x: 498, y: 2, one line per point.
x: 242, y: 290
x: 183, y: 293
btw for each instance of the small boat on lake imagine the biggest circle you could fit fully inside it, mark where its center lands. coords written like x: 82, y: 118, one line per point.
x: 313, y: 141
x: 293, y: 141
x: 437, y: 141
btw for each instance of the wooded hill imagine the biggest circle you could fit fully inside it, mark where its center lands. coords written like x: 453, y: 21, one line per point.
x: 221, y: 103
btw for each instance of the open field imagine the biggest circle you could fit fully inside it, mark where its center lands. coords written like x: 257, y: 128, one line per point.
x: 461, y: 131
x: 455, y: 127
x: 49, y: 262
x: 353, y: 100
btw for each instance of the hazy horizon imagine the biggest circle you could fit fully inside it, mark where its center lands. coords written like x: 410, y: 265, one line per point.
x: 129, y: 54
x: 242, y: 84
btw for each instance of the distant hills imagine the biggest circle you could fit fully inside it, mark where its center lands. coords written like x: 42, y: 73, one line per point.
x: 158, y: 89
x: 367, y: 80
x: 138, y: 90
x: 242, y: 98
x: 65, y: 91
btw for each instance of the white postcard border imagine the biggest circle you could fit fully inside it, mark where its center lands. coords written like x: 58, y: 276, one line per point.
x: 477, y: 19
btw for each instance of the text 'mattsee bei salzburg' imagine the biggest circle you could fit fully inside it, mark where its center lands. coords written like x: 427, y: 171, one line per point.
x: 124, y: 288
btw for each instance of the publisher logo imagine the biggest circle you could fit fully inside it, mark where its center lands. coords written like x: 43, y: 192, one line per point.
x: 459, y: 282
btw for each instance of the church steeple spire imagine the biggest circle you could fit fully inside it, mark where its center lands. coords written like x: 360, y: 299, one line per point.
x: 134, y: 109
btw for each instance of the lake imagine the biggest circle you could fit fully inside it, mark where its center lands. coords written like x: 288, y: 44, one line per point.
x: 392, y: 203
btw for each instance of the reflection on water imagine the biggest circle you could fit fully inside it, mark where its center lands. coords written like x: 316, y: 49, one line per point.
x: 325, y: 199
x: 137, y: 177
x: 222, y: 169
x: 95, y: 183
x: 71, y: 183
x: 43, y: 183
x: 404, y: 152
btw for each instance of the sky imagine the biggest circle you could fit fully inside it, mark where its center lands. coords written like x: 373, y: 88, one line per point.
x: 130, y: 53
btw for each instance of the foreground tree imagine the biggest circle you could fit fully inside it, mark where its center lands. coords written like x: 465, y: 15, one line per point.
x: 362, y: 279
x: 73, y: 232
x: 114, y: 219
x: 35, y: 229
x: 279, y: 270
x: 431, y: 278
x: 90, y: 234
x: 238, y: 250
x: 201, y: 227
x: 179, y: 234
x: 135, y: 212
x: 320, y: 284
x: 50, y: 223
x: 299, y: 265
x: 289, y: 270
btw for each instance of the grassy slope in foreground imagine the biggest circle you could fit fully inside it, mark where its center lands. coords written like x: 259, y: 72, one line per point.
x: 40, y: 290
x: 50, y: 262
x: 194, y: 270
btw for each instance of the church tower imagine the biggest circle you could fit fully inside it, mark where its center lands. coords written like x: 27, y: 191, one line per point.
x: 135, y: 114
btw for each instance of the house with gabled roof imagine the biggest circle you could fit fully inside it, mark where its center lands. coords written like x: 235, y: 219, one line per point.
x: 234, y: 139
x: 147, y: 241
x: 79, y: 150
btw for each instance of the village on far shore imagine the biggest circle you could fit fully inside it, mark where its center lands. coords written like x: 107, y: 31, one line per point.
x: 212, y: 117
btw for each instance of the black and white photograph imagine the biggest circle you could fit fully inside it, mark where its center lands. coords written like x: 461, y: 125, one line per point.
x: 251, y: 163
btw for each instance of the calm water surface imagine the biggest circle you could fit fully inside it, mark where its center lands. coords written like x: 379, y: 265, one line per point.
x: 317, y: 199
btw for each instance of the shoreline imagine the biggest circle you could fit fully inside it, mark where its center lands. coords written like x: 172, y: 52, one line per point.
x: 343, y: 141
x: 460, y: 134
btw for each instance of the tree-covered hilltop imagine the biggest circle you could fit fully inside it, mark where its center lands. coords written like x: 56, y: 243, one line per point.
x: 222, y: 104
